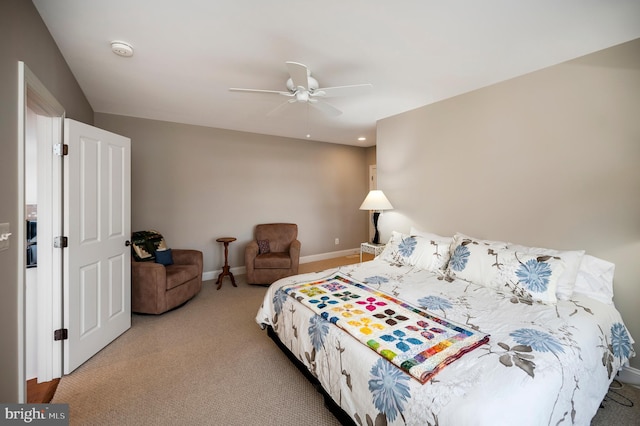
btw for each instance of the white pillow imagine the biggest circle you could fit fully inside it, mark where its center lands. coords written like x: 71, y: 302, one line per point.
x: 572, y: 260
x: 474, y: 259
x: 438, y: 256
x: 595, y: 279
x: 402, y: 249
x: 527, y: 275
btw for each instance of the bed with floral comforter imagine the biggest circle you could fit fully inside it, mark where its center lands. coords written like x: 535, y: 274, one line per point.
x: 549, y: 357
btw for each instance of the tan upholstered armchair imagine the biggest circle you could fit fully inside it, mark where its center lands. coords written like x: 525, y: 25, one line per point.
x: 156, y: 287
x: 274, y: 254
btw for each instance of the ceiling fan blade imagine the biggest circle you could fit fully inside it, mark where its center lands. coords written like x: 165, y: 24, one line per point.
x: 299, y: 74
x: 326, y: 108
x: 356, y: 89
x: 280, y: 108
x: 273, y: 92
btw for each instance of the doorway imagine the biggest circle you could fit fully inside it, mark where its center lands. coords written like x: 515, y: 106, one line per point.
x: 40, y: 118
x: 37, y: 393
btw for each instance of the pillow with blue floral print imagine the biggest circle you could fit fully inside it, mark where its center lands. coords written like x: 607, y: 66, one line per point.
x: 473, y: 260
x: 530, y: 277
x: 404, y: 249
x: 572, y: 260
x: 437, y: 256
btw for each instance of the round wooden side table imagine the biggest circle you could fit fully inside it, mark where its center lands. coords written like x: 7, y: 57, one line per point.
x: 225, y: 268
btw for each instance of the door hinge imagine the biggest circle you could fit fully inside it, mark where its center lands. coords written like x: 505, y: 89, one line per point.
x: 61, y: 149
x: 61, y: 334
x: 60, y: 242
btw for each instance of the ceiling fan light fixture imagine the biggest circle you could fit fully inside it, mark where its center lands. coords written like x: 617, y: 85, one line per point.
x: 302, y: 96
x: 122, y: 48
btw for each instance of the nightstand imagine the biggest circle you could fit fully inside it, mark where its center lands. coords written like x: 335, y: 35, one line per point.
x: 374, y: 249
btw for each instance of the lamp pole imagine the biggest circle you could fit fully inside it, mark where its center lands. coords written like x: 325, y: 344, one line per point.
x: 376, y: 236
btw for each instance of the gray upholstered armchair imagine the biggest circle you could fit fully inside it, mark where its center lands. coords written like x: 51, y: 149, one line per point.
x: 274, y: 254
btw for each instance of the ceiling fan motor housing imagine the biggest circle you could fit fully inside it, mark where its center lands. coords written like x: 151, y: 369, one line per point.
x: 312, y: 84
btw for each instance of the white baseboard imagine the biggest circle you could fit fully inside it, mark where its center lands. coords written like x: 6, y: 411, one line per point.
x: 213, y: 275
x: 629, y: 375
x: 210, y: 275
x: 240, y: 270
x: 330, y: 255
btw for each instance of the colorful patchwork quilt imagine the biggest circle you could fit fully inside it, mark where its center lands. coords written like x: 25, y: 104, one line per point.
x: 416, y: 341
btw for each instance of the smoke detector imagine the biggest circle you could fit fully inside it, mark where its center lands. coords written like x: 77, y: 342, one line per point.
x: 121, y: 48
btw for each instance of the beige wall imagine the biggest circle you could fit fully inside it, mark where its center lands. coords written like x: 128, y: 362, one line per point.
x: 195, y: 184
x: 23, y: 37
x: 549, y: 159
x: 371, y: 156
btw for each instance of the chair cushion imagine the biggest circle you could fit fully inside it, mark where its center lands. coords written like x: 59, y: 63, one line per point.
x: 164, y: 257
x: 180, y: 274
x: 272, y: 261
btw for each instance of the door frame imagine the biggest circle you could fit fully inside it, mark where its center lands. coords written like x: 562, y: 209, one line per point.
x: 32, y: 93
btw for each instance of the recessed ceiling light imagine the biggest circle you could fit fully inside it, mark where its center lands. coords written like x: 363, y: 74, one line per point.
x: 122, y: 48
x: 308, y: 135
x: 362, y: 138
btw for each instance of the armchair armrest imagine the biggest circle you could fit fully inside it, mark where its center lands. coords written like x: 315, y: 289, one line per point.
x: 148, y: 285
x: 294, y: 252
x: 146, y: 274
x: 250, y: 253
x: 187, y: 257
x: 141, y: 269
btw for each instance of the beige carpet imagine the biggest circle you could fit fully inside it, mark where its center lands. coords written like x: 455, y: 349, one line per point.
x: 621, y: 407
x: 208, y: 363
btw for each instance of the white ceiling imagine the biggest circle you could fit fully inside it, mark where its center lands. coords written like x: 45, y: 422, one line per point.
x: 188, y: 53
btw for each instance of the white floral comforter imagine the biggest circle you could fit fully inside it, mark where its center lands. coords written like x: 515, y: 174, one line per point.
x: 543, y: 365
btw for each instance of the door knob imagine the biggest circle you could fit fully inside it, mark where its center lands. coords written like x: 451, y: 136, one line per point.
x: 127, y: 243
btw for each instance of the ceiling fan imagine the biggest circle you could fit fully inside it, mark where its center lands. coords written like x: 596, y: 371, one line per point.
x: 303, y: 88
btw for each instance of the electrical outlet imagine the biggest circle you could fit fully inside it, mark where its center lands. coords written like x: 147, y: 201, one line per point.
x: 337, y: 241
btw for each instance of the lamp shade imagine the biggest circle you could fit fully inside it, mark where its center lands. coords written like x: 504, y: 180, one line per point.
x: 376, y: 200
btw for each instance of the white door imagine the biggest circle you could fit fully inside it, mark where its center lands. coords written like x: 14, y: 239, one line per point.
x: 97, y: 222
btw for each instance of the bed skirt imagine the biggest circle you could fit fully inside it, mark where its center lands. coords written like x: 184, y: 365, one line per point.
x: 331, y: 405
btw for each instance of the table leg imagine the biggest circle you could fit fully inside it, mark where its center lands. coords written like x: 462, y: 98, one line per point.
x: 225, y: 268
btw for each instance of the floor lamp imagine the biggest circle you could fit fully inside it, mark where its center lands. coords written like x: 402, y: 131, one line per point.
x: 376, y: 201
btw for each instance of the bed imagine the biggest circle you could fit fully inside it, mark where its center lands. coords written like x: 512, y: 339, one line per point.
x: 456, y: 331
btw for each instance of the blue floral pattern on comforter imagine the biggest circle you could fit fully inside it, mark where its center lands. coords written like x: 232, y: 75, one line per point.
x: 545, y: 364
